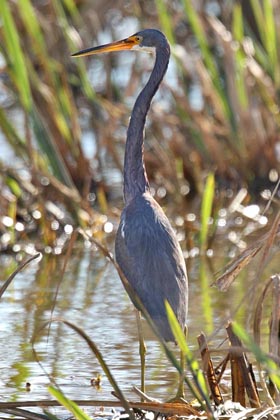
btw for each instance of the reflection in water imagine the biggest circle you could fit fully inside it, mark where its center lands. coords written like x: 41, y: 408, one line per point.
x: 91, y: 296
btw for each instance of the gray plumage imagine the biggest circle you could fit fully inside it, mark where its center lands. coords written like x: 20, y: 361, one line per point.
x: 149, y: 255
x: 147, y: 249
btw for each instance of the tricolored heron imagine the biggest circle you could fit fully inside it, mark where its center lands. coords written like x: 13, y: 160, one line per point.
x: 147, y: 249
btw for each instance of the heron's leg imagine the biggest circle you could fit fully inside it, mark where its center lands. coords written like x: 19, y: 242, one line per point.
x: 180, y: 392
x: 142, y: 350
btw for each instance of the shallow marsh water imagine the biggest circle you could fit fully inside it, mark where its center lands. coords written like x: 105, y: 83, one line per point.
x: 91, y: 296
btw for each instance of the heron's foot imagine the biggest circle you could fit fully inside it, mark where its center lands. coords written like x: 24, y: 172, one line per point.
x: 178, y: 399
x: 180, y: 395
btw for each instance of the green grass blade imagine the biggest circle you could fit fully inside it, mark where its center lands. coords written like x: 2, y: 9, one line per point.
x: 240, y: 58
x: 180, y: 336
x: 200, y: 36
x: 62, y: 107
x: 206, y: 209
x: 191, y: 361
x: 31, y: 23
x: 165, y: 20
x: 71, y: 406
x: 261, y: 357
x: 71, y: 7
x: 14, y: 56
x: 52, y: 153
x: 268, y: 52
x: 270, y: 33
x: 199, y: 32
x: 205, y: 297
x: 237, y: 23
x: 271, y: 39
x: 14, y: 187
x: 82, y: 79
x: 258, y: 14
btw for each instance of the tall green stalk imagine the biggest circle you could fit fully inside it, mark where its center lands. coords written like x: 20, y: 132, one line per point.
x: 206, y: 209
x: 198, y: 30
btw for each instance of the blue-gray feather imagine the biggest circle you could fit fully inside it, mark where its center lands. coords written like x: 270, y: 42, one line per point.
x: 147, y: 249
x: 150, y: 257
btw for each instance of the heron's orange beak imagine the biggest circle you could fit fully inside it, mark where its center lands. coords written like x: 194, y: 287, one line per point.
x: 124, y: 44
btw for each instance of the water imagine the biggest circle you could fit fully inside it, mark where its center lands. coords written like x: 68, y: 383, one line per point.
x: 91, y: 296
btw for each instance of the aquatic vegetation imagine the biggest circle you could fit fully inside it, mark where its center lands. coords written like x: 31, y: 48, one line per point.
x: 212, y: 156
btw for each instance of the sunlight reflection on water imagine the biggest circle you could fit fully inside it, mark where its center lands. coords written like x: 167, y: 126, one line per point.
x: 92, y: 297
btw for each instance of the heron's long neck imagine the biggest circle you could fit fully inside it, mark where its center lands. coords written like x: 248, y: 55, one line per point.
x: 135, y: 177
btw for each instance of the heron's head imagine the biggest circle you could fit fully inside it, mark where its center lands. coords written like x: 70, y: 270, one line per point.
x: 146, y: 40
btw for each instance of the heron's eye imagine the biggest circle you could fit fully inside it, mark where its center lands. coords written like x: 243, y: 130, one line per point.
x: 138, y: 38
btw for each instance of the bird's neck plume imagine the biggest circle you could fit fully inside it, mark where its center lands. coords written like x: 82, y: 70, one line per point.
x: 135, y: 177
